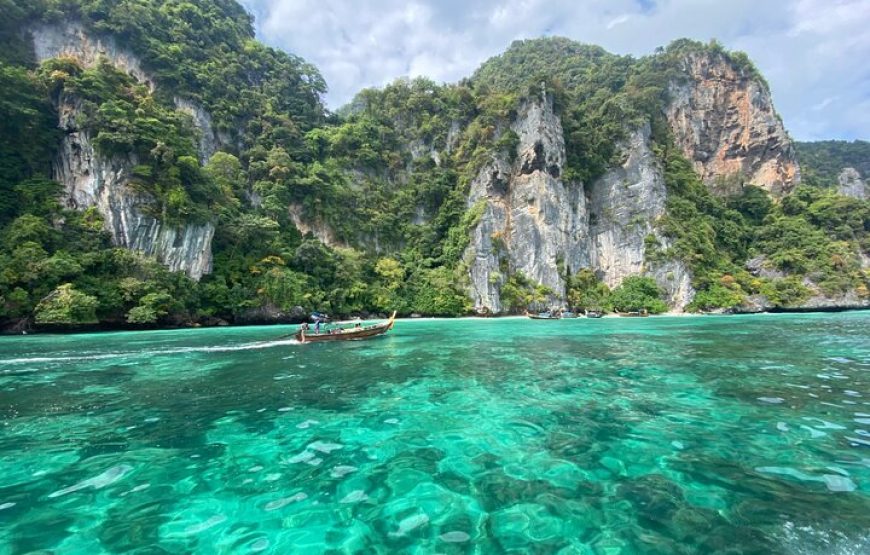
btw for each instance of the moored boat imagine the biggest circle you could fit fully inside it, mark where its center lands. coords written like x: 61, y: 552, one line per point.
x: 594, y: 314
x: 642, y: 313
x: 544, y: 316
x: 346, y: 334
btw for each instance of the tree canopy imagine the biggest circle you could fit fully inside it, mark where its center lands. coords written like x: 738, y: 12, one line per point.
x: 381, y: 187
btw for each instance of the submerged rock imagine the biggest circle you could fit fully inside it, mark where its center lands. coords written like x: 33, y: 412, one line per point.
x: 107, y: 478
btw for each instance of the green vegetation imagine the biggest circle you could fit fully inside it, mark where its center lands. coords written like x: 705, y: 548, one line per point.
x: 66, y: 306
x: 822, y: 161
x: 812, y: 233
x: 126, y: 120
x: 28, y: 135
x: 635, y: 293
x: 638, y: 293
x: 587, y: 292
x: 598, y: 95
x: 520, y: 293
x: 385, y: 181
x: 278, y: 151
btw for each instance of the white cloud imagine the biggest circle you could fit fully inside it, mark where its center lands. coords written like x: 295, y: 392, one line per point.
x: 813, y: 52
x: 619, y: 20
x: 825, y: 103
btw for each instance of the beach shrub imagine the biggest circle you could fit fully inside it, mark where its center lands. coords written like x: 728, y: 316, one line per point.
x: 638, y: 293
x: 67, y: 306
x: 586, y: 292
x: 519, y: 293
x: 152, y: 307
x: 717, y: 296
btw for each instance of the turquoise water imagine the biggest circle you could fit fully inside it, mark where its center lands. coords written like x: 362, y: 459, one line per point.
x: 614, y: 436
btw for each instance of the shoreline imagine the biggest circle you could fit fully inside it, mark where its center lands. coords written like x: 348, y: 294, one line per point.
x: 114, y: 328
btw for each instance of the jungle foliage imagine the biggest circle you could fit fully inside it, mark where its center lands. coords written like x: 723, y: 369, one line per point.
x: 382, y: 185
x: 822, y: 161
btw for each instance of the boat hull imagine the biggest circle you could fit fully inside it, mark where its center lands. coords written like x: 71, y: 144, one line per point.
x: 349, y: 334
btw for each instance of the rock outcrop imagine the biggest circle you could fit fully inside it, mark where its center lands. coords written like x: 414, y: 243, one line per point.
x: 625, y: 206
x: 723, y: 118
x: 71, y: 40
x: 532, y: 221
x: 321, y: 231
x: 851, y: 184
x: 209, y: 140
x: 535, y: 223
x: 93, y: 180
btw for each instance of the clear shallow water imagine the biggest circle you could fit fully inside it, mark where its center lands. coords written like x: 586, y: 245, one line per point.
x: 614, y: 436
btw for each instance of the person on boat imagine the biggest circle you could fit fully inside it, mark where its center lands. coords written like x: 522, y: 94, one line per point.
x: 358, y: 326
x: 304, y: 326
x: 317, y: 326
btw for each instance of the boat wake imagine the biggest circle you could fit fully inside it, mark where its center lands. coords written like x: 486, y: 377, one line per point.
x: 243, y: 347
x: 809, y: 540
x: 256, y: 345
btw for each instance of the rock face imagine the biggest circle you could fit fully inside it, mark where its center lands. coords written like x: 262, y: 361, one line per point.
x: 92, y: 180
x: 724, y: 121
x: 852, y: 185
x: 70, y: 40
x: 536, y: 224
x: 322, y: 232
x: 209, y: 140
x: 625, y: 205
x: 531, y: 219
x: 849, y: 300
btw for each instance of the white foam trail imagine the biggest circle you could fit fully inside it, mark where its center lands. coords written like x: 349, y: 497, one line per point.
x: 179, y: 350
x: 243, y: 347
x: 62, y: 359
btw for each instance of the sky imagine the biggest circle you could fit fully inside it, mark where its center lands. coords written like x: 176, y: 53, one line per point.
x: 814, y: 53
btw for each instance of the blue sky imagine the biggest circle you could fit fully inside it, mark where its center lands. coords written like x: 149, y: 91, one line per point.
x: 814, y: 53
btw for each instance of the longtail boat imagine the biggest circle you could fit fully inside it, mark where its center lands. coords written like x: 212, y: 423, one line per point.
x: 346, y: 334
x: 642, y: 313
x: 544, y: 316
x: 594, y: 314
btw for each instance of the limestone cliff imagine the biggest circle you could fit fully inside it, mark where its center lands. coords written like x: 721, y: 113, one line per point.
x: 73, y: 41
x: 625, y: 206
x: 531, y: 219
x: 90, y: 179
x: 723, y: 118
x: 851, y: 184
x: 535, y: 223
